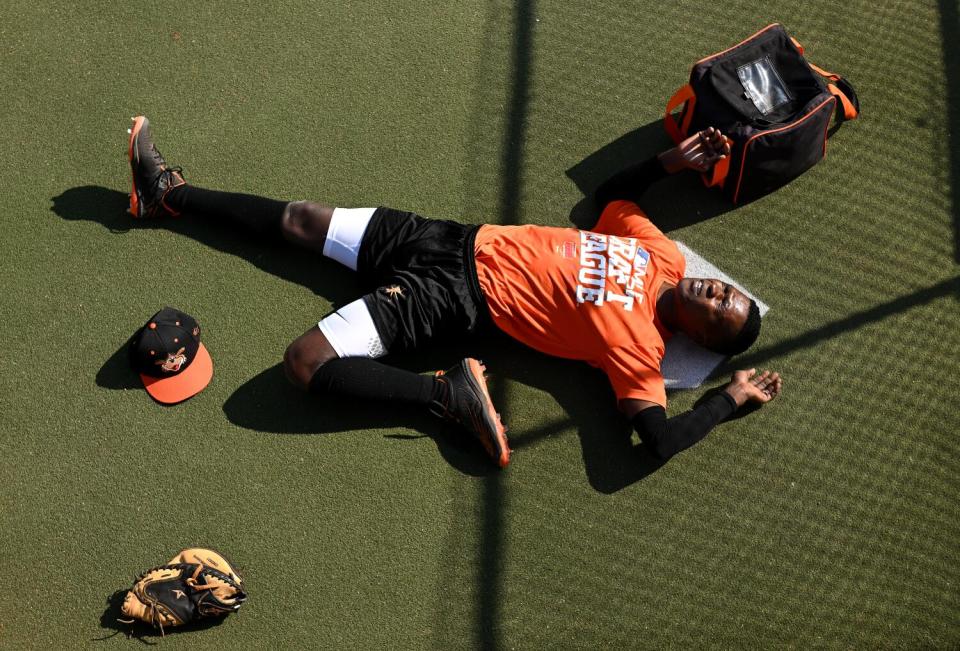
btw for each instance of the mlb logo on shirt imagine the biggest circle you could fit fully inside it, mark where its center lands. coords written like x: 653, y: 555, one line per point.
x: 641, y: 260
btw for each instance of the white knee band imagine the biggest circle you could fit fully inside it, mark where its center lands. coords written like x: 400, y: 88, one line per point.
x: 351, y: 332
x: 347, y: 226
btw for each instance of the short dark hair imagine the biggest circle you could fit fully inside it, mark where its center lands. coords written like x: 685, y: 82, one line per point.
x: 747, y: 335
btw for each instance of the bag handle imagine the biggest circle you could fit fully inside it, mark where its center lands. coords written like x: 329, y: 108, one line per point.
x: 718, y: 176
x: 678, y: 131
x: 843, y: 91
x: 840, y: 88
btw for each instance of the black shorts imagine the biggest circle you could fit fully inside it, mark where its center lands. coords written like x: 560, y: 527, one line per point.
x: 426, y: 279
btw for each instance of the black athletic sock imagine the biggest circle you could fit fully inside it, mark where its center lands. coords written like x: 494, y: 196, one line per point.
x: 360, y: 377
x: 261, y: 215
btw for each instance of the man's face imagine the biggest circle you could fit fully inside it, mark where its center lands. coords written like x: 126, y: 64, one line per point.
x: 710, y: 311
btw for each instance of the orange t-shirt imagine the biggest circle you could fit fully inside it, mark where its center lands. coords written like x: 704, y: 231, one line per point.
x: 587, y: 295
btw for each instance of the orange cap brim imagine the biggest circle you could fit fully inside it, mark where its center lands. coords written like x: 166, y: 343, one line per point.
x: 185, y: 384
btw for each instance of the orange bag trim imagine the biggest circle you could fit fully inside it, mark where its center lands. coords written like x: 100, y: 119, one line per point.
x: 849, y: 110
x: 684, y: 95
x: 721, y: 170
x: 832, y: 76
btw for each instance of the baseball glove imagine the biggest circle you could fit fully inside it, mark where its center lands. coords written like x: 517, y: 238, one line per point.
x: 196, y: 584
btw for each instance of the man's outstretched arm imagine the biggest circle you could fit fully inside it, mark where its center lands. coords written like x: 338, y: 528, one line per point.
x: 664, y: 437
x: 699, y: 152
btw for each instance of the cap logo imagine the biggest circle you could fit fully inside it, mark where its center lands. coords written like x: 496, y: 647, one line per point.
x: 173, y: 362
x: 196, y: 331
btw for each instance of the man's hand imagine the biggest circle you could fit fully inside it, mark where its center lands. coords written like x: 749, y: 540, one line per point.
x: 747, y: 385
x: 699, y: 152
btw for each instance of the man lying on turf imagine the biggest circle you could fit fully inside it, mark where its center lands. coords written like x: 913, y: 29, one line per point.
x: 611, y: 297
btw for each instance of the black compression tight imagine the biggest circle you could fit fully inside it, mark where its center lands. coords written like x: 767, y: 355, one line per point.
x: 261, y: 215
x: 360, y: 377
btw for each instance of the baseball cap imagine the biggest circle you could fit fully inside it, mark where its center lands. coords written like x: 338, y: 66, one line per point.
x: 169, y: 357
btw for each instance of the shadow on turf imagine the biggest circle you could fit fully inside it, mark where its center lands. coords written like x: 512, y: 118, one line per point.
x: 116, y: 373
x: 950, y: 35
x: 268, y: 403
x: 487, y: 620
x: 757, y: 357
x: 675, y: 202
x: 140, y: 631
x: 612, y: 459
x: 109, y: 208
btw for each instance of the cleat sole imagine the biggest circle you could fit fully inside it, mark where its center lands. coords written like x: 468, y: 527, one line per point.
x: 496, y: 444
x: 138, y: 123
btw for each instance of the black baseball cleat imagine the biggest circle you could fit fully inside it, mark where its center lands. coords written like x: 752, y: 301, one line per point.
x: 152, y: 179
x: 468, y: 404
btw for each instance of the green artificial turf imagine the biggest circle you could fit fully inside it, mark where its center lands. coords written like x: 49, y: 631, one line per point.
x: 829, y: 518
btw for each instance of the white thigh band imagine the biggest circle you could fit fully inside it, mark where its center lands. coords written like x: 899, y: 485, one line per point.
x: 351, y: 332
x: 347, y: 226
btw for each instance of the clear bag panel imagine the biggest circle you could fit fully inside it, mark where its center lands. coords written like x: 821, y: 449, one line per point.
x: 763, y: 85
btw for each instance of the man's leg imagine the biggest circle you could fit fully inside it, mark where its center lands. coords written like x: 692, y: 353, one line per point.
x: 304, y: 223
x: 459, y: 394
x: 336, y: 355
x: 336, y: 358
x: 312, y: 363
x: 160, y: 190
